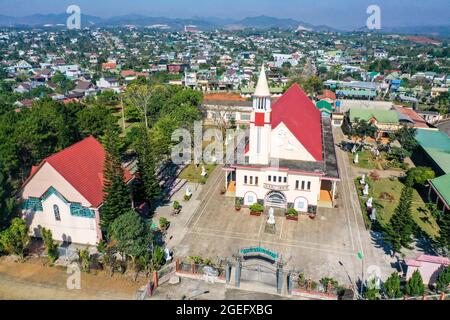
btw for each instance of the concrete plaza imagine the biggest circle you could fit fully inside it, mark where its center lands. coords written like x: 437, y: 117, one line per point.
x: 324, y: 247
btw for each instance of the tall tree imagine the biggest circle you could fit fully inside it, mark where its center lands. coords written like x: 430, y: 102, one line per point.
x: 148, y: 181
x: 400, y: 226
x: 138, y: 95
x: 415, y: 286
x: 407, y: 137
x: 443, y: 280
x: 117, y: 195
x: 363, y: 129
x: 7, y: 202
x: 392, y: 286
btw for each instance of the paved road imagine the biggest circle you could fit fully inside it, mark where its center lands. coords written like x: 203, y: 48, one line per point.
x: 374, y: 254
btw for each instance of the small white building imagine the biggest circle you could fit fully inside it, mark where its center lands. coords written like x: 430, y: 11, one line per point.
x: 64, y: 194
x: 288, y: 162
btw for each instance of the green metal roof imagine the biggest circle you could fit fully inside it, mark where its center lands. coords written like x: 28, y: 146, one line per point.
x: 323, y: 105
x: 442, y: 185
x: 382, y: 116
x: 437, y: 145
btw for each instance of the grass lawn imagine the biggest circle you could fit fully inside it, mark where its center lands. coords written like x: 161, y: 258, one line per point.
x: 386, y: 194
x: 193, y: 174
x: 365, y: 160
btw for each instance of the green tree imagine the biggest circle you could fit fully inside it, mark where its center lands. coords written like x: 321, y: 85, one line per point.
x: 15, y: 239
x: 131, y: 235
x: 95, y: 120
x: 117, y: 198
x: 148, y: 182
x: 7, y: 203
x: 443, y: 280
x: 419, y: 175
x: 392, y: 286
x: 372, y: 291
x: 443, y: 241
x: 400, y: 227
x: 85, y: 260
x: 363, y: 129
x: 414, y: 286
x: 407, y: 137
x: 138, y: 96
x: 50, y: 246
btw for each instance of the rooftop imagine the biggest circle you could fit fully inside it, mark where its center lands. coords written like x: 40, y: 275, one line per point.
x: 382, y: 116
x: 437, y: 145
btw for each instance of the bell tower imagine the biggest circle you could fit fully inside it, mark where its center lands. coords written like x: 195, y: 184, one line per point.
x: 260, y: 125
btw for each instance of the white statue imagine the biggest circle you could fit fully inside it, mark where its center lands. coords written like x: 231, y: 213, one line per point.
x: 271, y: 220
x: 188, y: 192
x: 204, y: 173
x: 354, y: 148
x: 373, y: 215
x: 377, y: 153
x: 363, y: 179
x: 356, y: 159
x: 168, y: 256
x: 366, y: 190
x: 369, y: 202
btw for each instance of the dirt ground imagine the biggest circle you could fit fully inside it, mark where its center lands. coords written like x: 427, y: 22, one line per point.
x: 35, y: 280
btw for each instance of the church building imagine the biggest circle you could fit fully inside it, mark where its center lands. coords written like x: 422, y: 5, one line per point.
x: 290, y: 159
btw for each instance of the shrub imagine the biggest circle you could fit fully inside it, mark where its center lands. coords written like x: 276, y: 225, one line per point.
x: 50, y: 245
x: 187, y: 198
x: 256, y: 207
x: 164, y: 223
x: 85, y: 260
x: 176, y: 205
x: 14, y: 240
x: 292, y: 212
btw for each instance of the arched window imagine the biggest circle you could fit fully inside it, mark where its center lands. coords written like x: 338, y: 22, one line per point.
x: 56, y: 212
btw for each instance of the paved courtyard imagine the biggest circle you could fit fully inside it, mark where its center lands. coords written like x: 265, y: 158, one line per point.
x: 216, y: 231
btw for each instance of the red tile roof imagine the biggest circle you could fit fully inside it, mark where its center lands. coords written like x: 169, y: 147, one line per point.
x: 82, y: 166
x: 419, y: 122
x: 327, y: 94
x: 301, y: 117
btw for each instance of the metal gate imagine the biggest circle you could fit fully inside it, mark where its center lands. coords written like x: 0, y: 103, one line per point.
x: 259, y: 271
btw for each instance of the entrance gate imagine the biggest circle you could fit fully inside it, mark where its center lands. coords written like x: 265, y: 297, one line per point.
x: 257, y: 264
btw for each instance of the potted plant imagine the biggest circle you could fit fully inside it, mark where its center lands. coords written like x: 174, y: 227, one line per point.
x: 164, y: 223
x: 237, y: 205
x: 292, y: 214
x: 223, y: 190
x: 187, y: 197
x: 256, y: 209
x: 312, y: 212
x: 176, y: 207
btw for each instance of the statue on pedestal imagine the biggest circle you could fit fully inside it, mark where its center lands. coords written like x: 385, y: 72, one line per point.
x: 363, y: 179
x: 271, y: 220
x: 369, y: 202
x: 366, y: 190
x: 356, y: 160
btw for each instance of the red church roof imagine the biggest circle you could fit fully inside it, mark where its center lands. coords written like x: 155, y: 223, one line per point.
x: 82, y: 166
x: 301, y: 117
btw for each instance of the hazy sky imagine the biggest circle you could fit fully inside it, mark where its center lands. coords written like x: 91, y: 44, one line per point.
x: 336, y: 13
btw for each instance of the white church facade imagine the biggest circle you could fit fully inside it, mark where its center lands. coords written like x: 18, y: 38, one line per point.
x: 290, y: 160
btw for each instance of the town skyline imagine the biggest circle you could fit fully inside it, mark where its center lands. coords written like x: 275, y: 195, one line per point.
x: 345, y: 15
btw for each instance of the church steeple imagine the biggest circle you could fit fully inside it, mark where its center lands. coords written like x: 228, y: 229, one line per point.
x: 260, y: 124
x: 261, y: 97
